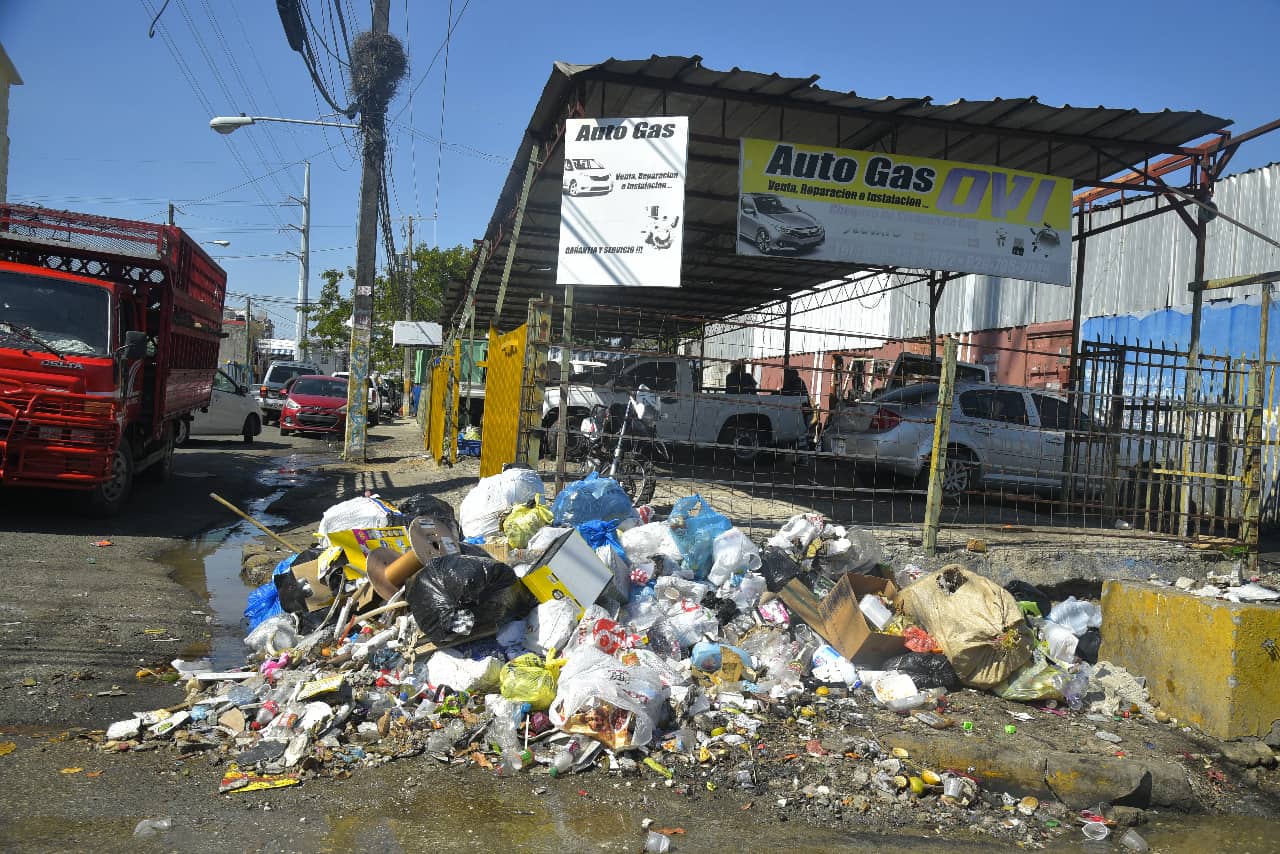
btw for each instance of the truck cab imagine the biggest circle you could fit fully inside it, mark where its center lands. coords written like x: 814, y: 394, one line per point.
x: 109, y: 333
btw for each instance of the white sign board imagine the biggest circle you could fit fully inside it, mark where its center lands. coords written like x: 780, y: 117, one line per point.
x: 415, y: 333
x: 622, y: 201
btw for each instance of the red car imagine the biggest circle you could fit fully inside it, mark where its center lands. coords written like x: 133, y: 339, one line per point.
x: 314, y: 404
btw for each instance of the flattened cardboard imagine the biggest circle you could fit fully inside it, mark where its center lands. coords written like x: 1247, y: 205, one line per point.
x: 840, y: 622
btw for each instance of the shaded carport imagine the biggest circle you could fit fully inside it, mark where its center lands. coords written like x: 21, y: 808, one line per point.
x: 1100, y: 148
x: 1086, y: 144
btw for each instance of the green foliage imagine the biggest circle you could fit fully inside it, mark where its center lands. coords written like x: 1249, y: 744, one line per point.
x: 432, y: 270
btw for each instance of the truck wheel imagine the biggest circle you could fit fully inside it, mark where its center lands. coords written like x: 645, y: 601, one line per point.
x: 161, y: 470
x: 251, y: 428
x: 182, y: 432
x: 747, y: 440
x: 107, y: 498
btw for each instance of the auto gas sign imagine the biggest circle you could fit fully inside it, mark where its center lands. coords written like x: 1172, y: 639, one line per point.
x: 866, y: 207
x: 622, y: 201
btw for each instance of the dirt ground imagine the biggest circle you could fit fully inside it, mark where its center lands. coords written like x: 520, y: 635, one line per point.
x: 77, y: 621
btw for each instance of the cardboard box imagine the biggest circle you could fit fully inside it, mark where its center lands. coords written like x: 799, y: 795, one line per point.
x: 569, y: 569
x: 839, y: 621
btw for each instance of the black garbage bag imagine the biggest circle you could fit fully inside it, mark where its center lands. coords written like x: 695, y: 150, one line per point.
x: 448, y: 596
x: 1087, y: 646
x: 778, y: 568
x: 425, y: 504
x: 926, y: 669
x: 1024, y: 592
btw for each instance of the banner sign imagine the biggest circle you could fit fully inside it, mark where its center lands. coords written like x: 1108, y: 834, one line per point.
x: 622, y: 201
x: 866, y: 207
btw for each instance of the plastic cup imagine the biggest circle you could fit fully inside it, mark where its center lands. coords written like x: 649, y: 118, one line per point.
x: 1134, y: 841
x: 1095, y: 831
x: 953, y: 787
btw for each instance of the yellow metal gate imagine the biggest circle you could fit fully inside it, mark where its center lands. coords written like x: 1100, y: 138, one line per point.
x: 505, y: 371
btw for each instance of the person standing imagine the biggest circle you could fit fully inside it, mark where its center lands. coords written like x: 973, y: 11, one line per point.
x: 739, y: 380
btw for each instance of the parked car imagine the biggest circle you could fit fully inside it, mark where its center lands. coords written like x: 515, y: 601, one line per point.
x: 773, y: 223
x: 1001, y: 436
x: 374, y: 412
x: 314, y: 404
x: 271, y: 392
x: 748, y: 422
x: 585, y: 176
x: 232, y: 411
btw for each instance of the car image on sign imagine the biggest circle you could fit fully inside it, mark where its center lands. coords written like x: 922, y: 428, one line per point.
x: 773, y: 224
x: 585, y: 176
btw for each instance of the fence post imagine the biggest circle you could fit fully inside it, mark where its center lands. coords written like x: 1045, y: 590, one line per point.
x: 562, y: 420
x: 1251, y: 521
x: 941, y: 434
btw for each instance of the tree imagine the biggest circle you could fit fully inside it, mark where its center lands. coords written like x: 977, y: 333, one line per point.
x: 329, y: 315
x: 433, y: 269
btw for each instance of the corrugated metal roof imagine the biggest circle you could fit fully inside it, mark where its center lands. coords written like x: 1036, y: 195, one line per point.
x: 723, y: 106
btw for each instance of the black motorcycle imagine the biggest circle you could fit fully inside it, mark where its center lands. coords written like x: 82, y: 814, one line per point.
x: 622, y: 443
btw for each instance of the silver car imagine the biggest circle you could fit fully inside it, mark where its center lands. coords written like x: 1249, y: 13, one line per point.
x: 772, y: 224
x: 1003, y: 436
x: 585, y: 176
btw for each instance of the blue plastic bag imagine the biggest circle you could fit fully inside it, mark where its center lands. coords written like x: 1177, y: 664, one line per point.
x: 598, y: 533
x: 695, y: 532
x: 593, y: 498
x: 264, y: 601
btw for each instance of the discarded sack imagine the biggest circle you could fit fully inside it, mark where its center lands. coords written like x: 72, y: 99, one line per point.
x: 976, y: 622
x: 531, y: 679
x: 452, y: 669
x: 601, y: 697
x: 1037, y: 681
x: 927, y: 670
x: 446, y: 594
x: 525, y: 520
x: 484, y: 506
x: 695, y: 526
x: 549, y: 626
x: 356, y: 514
x: 593, y: 498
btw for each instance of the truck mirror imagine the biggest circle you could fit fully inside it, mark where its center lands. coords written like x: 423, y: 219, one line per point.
x: 135, y: 344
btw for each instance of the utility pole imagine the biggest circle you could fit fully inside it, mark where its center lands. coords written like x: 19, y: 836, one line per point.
x: 373, y: 116
x: 171, y: 222
x: 304, y: 261
x: 248, y: 338
x: 407, y: 400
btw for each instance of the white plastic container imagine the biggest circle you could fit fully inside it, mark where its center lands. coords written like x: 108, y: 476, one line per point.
x: 875, y: 611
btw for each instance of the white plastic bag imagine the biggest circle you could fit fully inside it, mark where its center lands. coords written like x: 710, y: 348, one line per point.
x: 358, y: 513
x: 642, y: 542
x: 732, y: 552
x: 461, y: 673
x: 1076, y: 615
x: 596, y: 692
x: 493, y: 497
x: 550, y: 625
x: 798, y: 532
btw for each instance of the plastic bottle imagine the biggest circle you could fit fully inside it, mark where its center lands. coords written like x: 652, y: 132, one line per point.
x: 749, y: 591
x: 561, y: 763
x: 149, y: 827
x: 1133, y: 840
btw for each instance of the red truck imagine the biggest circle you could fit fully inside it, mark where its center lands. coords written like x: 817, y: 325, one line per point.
x: 109, y: 333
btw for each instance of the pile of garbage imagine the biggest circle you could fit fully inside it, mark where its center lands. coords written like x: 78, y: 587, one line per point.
x: 533, y: 637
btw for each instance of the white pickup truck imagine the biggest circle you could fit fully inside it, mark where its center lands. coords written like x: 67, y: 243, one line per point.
x: 687, y: 415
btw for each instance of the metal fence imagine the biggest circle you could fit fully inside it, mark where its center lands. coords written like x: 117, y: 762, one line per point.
x: 1140, y: 439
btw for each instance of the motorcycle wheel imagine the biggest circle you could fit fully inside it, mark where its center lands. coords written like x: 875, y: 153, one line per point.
x: 636, y: 477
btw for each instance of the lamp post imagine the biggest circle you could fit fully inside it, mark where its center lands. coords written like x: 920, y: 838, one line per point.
x: 231, y: 124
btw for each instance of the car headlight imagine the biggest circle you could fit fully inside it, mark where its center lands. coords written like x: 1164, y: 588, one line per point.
x: 291, y: 403
x: 784, y: 229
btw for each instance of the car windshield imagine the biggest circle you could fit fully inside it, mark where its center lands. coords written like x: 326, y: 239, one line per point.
x: 70, y: 317
x: 283, y: 373
x: 586, y: 163
x: 320, y: 387
x: 912, y: 395
x: 772, y: 205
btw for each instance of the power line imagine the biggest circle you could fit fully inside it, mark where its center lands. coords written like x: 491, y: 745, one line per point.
x: 444, y: 92
x: 436, y: 56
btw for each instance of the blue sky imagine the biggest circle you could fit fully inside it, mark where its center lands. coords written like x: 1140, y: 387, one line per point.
x: 108, y: 122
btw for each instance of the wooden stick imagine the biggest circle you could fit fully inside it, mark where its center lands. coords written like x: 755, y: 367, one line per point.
x: 252, y: 521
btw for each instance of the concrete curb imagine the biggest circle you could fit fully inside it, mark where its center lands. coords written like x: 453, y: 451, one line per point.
x: 1078, y: 780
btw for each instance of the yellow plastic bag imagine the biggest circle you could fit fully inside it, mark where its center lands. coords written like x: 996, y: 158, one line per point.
x: 525, y: 520
x: 530, y: 679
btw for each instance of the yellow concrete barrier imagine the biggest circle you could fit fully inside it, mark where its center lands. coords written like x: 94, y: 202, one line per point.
x: 1210, y: 663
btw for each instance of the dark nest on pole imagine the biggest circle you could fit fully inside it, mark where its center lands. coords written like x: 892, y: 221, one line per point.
x: 377, y: 65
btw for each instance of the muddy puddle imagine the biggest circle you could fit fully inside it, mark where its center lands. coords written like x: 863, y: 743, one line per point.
x: 210, y: 564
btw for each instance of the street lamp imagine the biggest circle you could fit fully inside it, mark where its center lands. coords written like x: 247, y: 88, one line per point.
x: 231, y: 124
x: 223, y: 243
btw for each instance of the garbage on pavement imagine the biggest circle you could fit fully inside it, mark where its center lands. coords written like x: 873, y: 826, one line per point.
x: 572, y: 637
